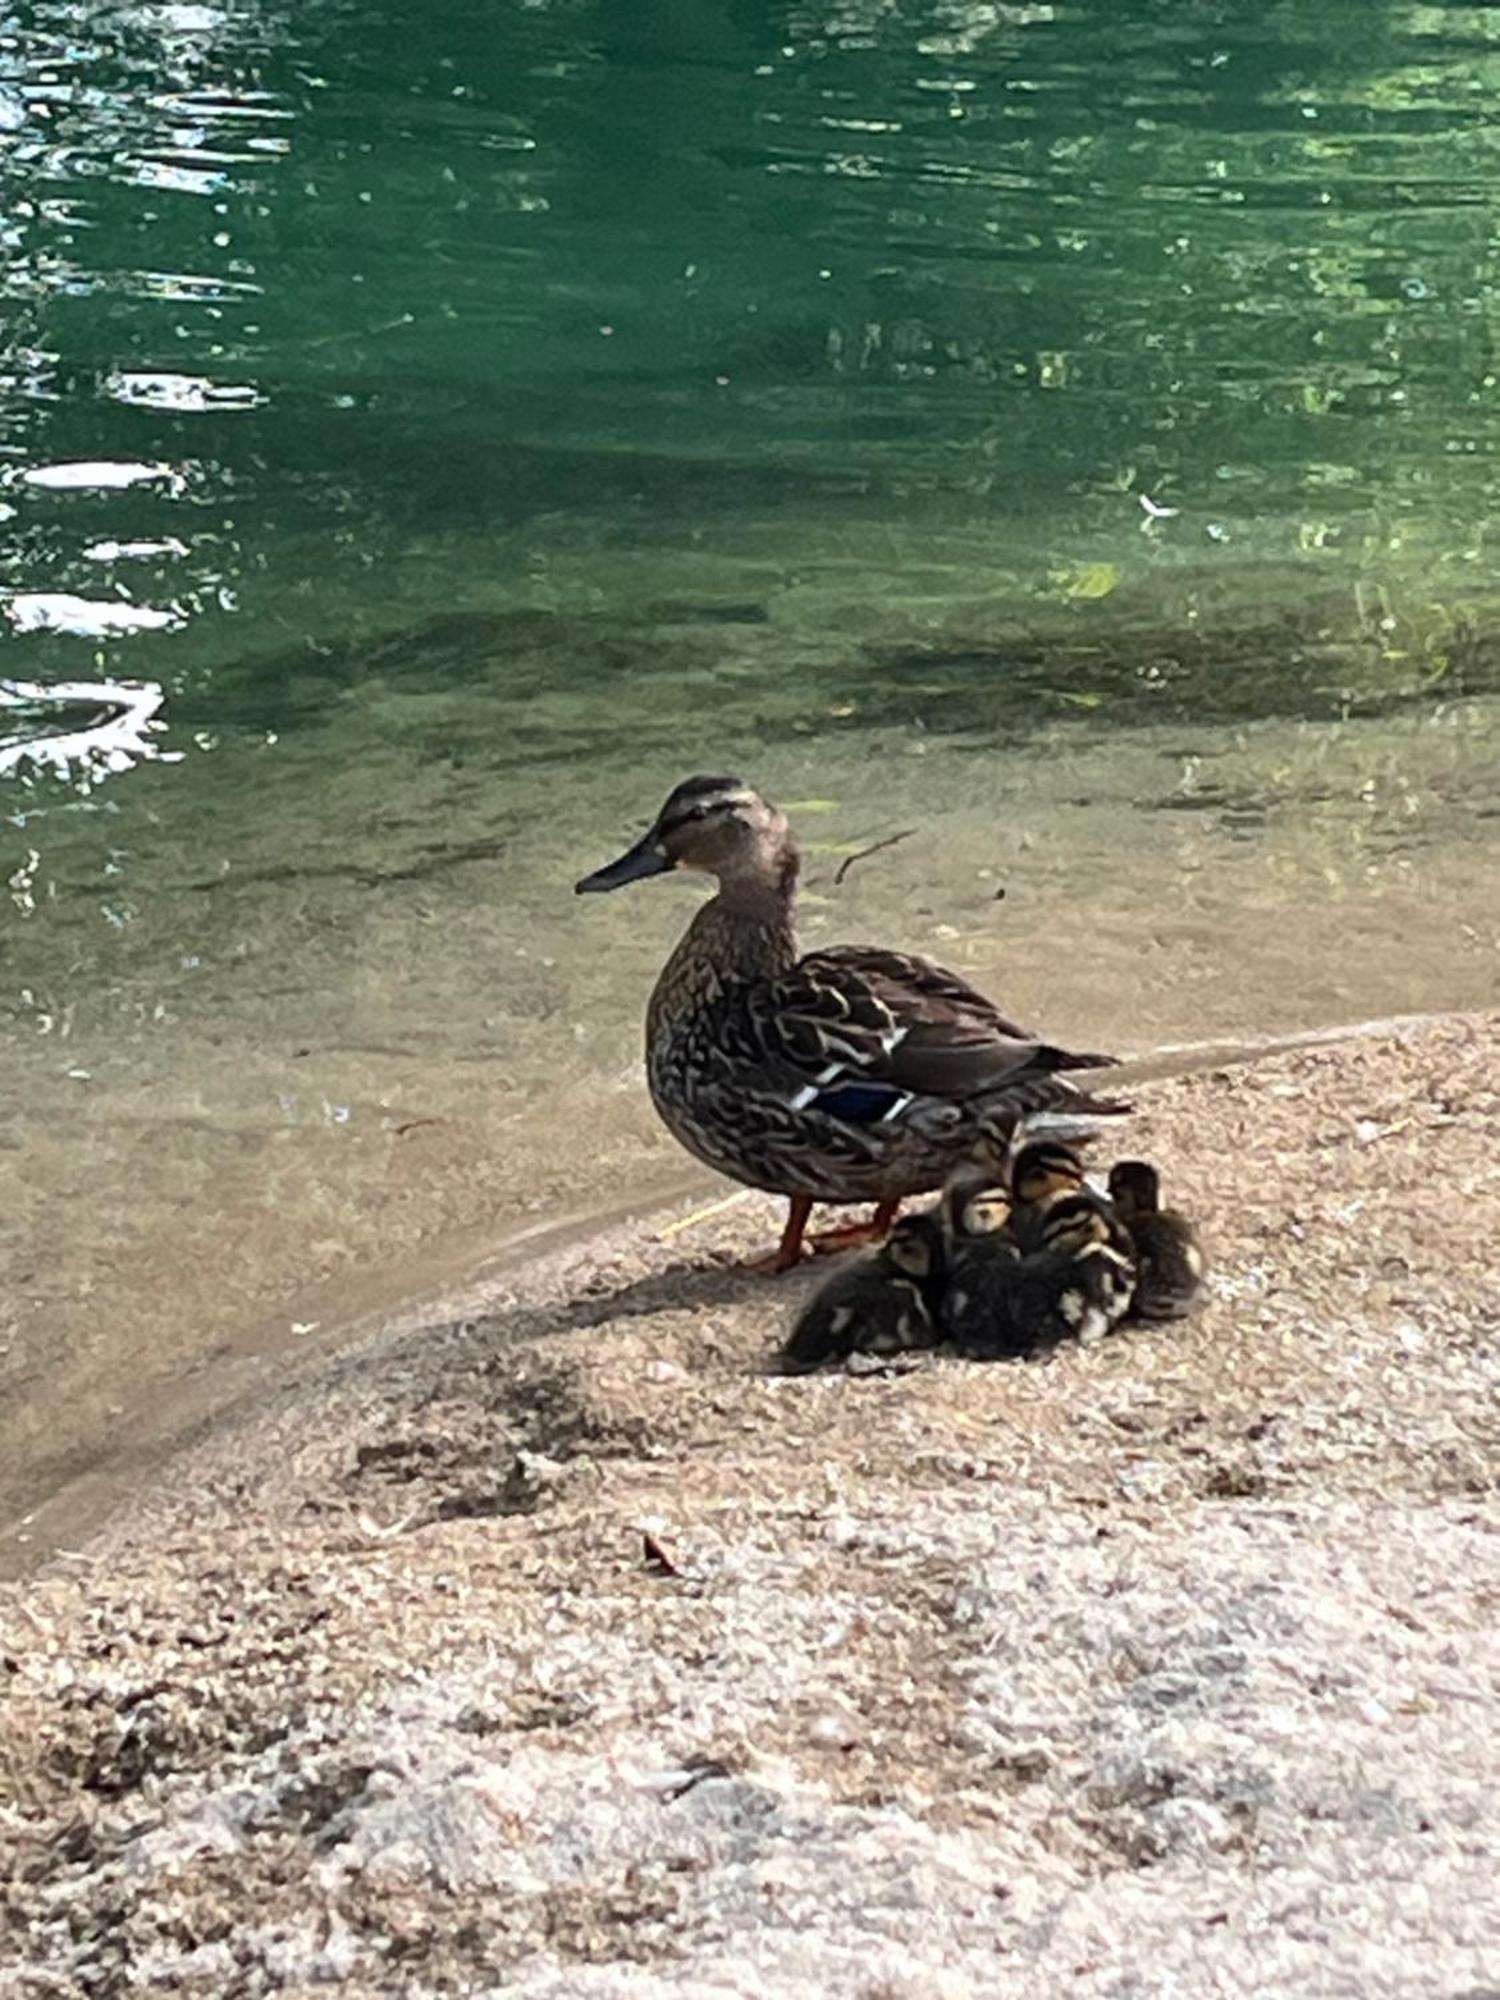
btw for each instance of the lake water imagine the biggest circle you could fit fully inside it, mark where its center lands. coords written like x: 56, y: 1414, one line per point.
x: 1068, y: 431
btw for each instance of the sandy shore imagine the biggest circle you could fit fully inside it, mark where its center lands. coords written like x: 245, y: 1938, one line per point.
x: 557, y: 1648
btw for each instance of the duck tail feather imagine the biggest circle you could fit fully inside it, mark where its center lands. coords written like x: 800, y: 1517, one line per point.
x: 1055, y: 1058
x: 1075, y: 1122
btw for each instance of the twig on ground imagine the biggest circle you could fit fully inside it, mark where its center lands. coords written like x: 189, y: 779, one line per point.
x: 865, y: 852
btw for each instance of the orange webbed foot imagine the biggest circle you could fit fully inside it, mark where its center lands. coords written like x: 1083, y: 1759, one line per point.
x: 855, y: 1235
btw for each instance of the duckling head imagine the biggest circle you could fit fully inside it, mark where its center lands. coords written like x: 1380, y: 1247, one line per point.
x: 1044, y: 1170
x: 915, y: 1247
x: 993, y: 1149
x: 718, y: 826
x: 1135, y: 1187
x: 1074, y: 1224
x: 975, y: 1204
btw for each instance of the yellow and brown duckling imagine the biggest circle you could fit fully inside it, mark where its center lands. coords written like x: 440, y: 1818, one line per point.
x: 1170, y: 1264
x: 1080, y: 1281
x: 847, y: 1074
x: 1048, y: 1175
x: 981, y: 1310
x: 883, y: 1303
x: 1042, y: 1174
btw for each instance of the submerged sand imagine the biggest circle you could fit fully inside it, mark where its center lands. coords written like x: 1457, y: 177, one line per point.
x: 556, y: 1647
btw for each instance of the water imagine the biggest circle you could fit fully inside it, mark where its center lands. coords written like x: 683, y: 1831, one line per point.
x: 1066, y: 429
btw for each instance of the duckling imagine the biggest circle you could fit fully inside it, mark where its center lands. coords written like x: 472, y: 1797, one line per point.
x: 976, y: 1208
x: 1171, y: 1266
x: 993, y: 1146
x: 1080, y: 1283
x: 1042, y: 1174
x: 881, y: 1304
x: 1048, y: 1174
x: 980, y: 1312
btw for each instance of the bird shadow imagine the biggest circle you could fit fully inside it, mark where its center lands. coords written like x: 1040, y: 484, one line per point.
x: 679, y: 1288
x: 683, y: 1287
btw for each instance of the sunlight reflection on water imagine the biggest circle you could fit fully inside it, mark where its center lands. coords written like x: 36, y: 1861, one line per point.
x: 81, y: 753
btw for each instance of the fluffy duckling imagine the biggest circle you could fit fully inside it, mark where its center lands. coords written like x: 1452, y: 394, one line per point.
x: 881, y: 1304
x: 1170, y: 1264
x: 1081, y: 1281
x: 1041, y: 1175
x: 1048, y: 1180
x: 980, y: 1312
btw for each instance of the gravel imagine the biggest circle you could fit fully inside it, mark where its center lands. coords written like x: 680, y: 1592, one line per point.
x: 556, y: 1647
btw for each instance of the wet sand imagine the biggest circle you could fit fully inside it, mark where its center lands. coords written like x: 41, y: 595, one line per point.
x: 548, y: 1644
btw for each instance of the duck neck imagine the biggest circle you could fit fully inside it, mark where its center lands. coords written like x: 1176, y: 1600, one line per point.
x: 744, y: 933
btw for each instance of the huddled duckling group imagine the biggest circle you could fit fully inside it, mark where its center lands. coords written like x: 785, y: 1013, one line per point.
x: 1019, y: 1254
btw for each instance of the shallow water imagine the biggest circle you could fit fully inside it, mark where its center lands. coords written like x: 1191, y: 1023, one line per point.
x: 1067, y: 430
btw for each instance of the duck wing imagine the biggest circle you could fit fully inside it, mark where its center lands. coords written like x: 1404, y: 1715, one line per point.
x: 869, y: 1030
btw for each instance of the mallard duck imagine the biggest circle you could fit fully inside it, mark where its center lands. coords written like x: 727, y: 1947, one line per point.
x: 850, y: 1074
x: 881, y: 1304
x: 1171, y: 1266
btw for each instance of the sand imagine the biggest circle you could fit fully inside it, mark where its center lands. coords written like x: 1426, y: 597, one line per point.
x: 554, y: 1646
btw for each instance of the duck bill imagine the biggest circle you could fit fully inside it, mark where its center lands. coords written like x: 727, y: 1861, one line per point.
x: 644, y: 859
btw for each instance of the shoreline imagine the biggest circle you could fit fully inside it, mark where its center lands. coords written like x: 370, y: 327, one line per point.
x: 242, y: 1372
x: 294, y: 1087
x: 1173, y: 1658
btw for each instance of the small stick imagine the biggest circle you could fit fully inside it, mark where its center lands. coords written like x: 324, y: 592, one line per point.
x: 865, y: 852
x: 684, y: 1222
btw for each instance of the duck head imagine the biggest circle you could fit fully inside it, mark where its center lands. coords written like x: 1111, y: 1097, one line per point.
x: 974, y: 1204
x: 915, y: 1247
x: 718, y: 826
x: 1045, y: 1170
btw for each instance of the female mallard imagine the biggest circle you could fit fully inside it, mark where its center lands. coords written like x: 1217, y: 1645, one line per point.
x: 852, y: 1074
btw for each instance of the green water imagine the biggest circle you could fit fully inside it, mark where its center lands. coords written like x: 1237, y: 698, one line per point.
x: 1068, y: 428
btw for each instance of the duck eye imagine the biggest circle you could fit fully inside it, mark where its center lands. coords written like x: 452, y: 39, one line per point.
x: 687, y: 816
